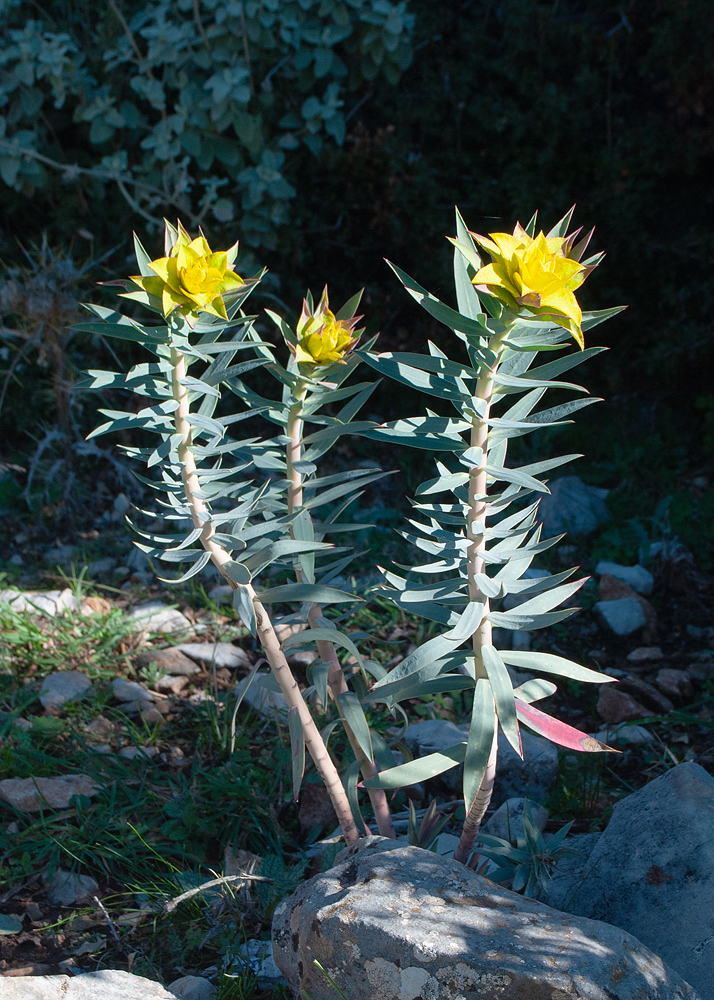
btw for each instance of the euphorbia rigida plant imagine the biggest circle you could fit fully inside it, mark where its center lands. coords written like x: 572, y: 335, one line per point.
x: 477, y: 520
x: 249, y: 503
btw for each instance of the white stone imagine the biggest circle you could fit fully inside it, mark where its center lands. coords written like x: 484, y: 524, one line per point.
x: 399, y: 924
x: 220, y: 654
x: 107, y: 984
x: 67, y: 888
x: 507, y: 821
x: 63, y: 686
x: 637, y: 577
x: 155, y: 616
x: 623, y: 616
x: 653, y: 872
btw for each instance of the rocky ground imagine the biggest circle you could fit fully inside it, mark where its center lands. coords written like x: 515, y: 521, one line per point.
x: 130, y: 775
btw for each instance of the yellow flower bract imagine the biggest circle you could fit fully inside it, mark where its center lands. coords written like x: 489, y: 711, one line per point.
x: 322, y: 339
x: 534, y: 273
x: 192, y: 278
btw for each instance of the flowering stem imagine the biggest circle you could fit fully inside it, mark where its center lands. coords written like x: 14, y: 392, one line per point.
x: 476, y: 533
x: 266, y: 633
x: 326, y: 650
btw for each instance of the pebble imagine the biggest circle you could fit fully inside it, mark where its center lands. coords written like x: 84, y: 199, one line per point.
x: 101, y: 726
x: 138, y: 753
x: 637, y: 577
x: 67, y: 888
x: 130, y: 691
x: 616, y: 706
x: 675, y: 684
x: 152, y: 716
x: 63, y: 686
x: 218, y: 654
x: 625, y: 734
x: 33, y: 794
x: 96, y: 605
x: 623, y: 616
x: 171, y: 685
x: 645, y: 654
x: 612, y: 589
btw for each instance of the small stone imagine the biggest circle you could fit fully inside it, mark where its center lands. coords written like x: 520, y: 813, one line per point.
x: 218, y: 654
x: 302, y: 658
x: 259, y: 955
x: 17, y: 560
x: 96, y: 605
x: 612, y: 589
x: 507, y: 821
x: 701, y: 670
x: 284, y: 632
x: 172, y: 661
x: 102, y: 748
x: 193, y: 988
x: 138, y: 753
x: 61, y: 554
x: 155, y: 616
x: 33, y: 794
x: 152, y: 716
x: 101, y: 726
x: 626, y: 735
x: 67, y: 888
x: 675, y: 684
x: 171, y: 685
x: 623, y: 617
x: 63, y: 686
x: 120, y: 507
x: 130, y: 691
x: 647, y: 693
x: 637, y: 577
x: 645, y: 654
x: 616, y: 706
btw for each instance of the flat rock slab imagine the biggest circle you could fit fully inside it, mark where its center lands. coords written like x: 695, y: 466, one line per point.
x: 155, y: 616
x: 403, y: 924
x: 652, y: 872
x: 47, y: 603
x: 104, y: 985
x: 172, y: 661
x: 218, y: 654
x: 63, y: 686
x: 33, y: 794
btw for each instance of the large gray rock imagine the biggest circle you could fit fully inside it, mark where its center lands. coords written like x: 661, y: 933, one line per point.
x: 573, y: 507
x: 63, y: 686
x: 402, y: 924
x: 571, y: 871
x: 653, y: 872
x: 107, y: 984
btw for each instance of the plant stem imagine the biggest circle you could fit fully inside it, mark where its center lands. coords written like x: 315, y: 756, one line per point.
x: 326, y: 650
x: 266, y: 633
x: 476, y: 533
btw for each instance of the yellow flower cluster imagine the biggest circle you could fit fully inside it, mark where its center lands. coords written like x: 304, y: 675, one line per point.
x: 192, y: 278
x: 322, y: 339
x: 535, y: 273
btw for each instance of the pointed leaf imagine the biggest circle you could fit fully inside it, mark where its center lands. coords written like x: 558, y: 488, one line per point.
x: 307, y: 592
x: 243, y: 604
x: 420, y: 769
x: 354, y: 717
x: 502, y: 689
x: 297, y: 749
x: 551, y: 664
x: 480, y: 742
x: 558, y: 732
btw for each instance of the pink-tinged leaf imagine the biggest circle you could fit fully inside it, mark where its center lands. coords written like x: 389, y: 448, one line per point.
x: 558, y: 732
